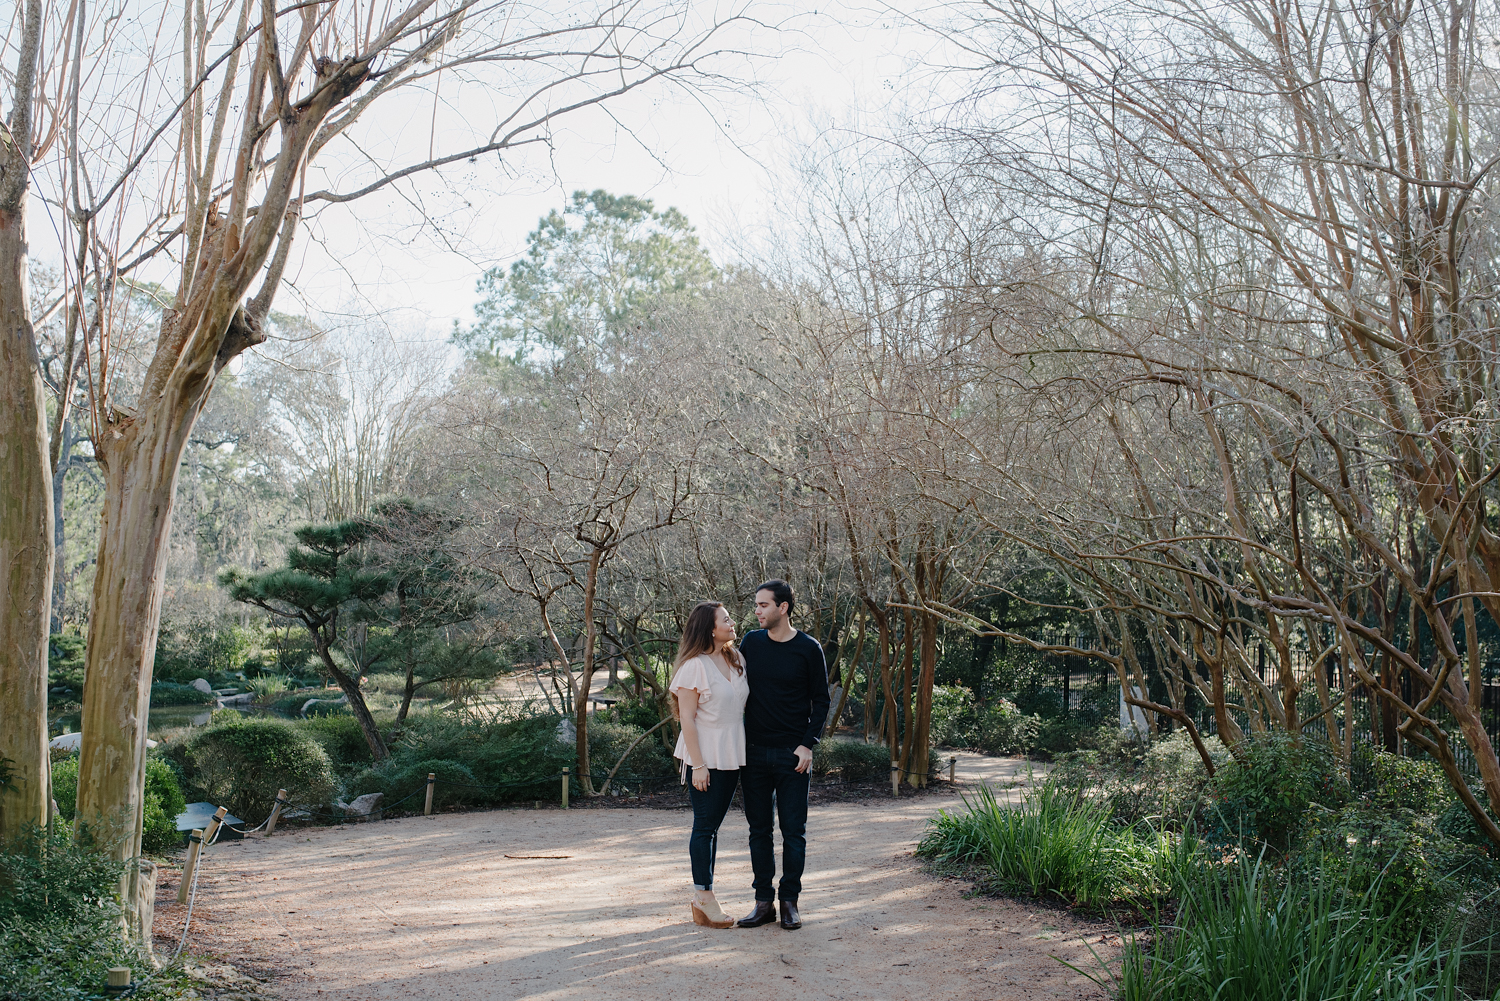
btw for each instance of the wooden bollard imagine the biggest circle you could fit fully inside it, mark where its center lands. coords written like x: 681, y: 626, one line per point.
x: 895, y: 780
x: 195, y: 845
x: 213, y: 825
x: 565, y: 788
x: 952, y: 768
x: 118, y: 980
x: 431, y: 782
x: 276, y: 812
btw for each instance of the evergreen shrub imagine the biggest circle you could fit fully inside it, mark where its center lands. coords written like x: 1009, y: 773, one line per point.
x: 854, y: 760
x: 240, y: 762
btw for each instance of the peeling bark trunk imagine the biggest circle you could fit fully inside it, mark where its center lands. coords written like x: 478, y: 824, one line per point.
x: 26, y: 544
x: 139, y: 454
x: 26, y: 541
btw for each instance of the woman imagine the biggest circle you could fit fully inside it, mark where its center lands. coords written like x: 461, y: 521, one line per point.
x: 708, y: 697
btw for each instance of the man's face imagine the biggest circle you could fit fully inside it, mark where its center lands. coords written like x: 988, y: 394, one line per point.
x: 767, y: 612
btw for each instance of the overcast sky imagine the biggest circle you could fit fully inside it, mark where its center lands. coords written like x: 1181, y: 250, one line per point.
x: 721, y: 163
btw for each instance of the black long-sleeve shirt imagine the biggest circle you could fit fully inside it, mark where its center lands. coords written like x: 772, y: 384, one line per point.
x: 788, y: 702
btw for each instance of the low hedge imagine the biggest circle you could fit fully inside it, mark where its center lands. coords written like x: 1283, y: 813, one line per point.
x: 854, y: 760
x: 170, y: 693
x: 240, y: 762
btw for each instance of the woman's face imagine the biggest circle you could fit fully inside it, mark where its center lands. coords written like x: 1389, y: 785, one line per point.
x: 723, y: 628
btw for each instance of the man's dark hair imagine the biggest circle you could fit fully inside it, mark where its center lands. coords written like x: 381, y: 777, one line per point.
x: 781, y: 594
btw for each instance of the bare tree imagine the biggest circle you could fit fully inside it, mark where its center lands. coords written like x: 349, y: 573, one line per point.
x: 282, y: 87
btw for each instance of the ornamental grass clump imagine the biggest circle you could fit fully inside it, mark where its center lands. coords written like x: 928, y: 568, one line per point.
x: 1051, y: 843
x: 1242, y: 931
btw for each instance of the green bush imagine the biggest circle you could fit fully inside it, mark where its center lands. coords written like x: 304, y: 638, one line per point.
x: 512, y: 750
x: 341, y: 737
x: 1457, y: 823
x: 455, y: 784
x: 854, y: 760
x: 1244, y: 933
x: 59, y: 930
x: 201, y: 650
x: 643, y: 712
x: 1263, y: 798
x: 1051, y: 843
x: 164, y: 801
x: 607, y: 741
x: 997, y: 728
x: 1162, y: 782
x: 240, y: 762
x: 65, y: 786
x: 1395, y: 863
x: 1391, y: 780
x: 170, y: 693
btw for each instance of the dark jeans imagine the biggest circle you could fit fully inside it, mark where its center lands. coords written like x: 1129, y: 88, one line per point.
x: 709, y: 808
x: 770, y: 777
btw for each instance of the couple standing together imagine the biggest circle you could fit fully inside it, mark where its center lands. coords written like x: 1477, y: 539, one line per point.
x: 750, y: 717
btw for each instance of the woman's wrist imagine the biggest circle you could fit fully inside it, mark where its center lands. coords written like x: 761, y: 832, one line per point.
x: 696, y: 767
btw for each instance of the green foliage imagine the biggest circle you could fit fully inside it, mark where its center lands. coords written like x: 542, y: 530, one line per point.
x: 1163, y: 782
x: 1458, y: 823
x: 998, y: 728
x: 455, y: 786
x: 340, y: 737
x: 170, y: 693
x: 1394, y: 863
x: 164, y: 801
x: 593, y: 272
x: 59, y: 930
x: 200, y: 650
x: 513, y: 752
x: 65, y: 786
x: 854, y: 760
x: 1243, y: 933
x: 1391, y: 780
x: 608, y: 740
x: 241, y: 762
x: 268, y: 686
x: 643, y: 712
x: 65, y: 653
x: 1051, y: 843
x: 1263, y: 798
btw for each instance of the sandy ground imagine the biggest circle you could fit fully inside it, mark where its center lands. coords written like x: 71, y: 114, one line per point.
x: 547, y: 904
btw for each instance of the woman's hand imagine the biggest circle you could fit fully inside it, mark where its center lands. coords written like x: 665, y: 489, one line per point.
x: 700, y: 778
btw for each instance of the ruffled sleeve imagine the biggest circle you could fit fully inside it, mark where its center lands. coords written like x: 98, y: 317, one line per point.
x: 693, y: 676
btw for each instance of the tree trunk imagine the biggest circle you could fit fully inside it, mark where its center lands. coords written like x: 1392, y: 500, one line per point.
x: 581, y: 699
x: 26, y: 541
x: 139, y: 454
x: 349, y: 685
x: 921, y: 724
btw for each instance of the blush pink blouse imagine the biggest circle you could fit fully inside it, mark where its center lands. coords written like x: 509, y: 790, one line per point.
x: 720, y: 716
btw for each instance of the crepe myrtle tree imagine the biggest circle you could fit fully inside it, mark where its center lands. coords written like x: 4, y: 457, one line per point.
x: 323, y: 586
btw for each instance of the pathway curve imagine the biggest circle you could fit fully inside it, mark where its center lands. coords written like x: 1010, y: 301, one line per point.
x: 552, y: 904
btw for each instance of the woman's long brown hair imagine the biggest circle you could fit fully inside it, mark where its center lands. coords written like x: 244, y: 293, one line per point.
x: 698, y: 638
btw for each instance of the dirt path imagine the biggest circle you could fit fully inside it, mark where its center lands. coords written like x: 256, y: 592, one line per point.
x: 457, y: 907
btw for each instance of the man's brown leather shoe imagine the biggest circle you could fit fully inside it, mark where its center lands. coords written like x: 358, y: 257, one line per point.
x: 790, y: 919
x: 764, y: 914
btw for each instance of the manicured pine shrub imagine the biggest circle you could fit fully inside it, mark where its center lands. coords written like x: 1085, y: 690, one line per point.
x: 240, y: 762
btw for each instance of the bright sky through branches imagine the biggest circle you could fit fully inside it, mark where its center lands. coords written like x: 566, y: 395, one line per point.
x: 416, y: 250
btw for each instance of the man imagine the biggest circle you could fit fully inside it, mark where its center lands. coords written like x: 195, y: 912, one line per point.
x: 784, y: 718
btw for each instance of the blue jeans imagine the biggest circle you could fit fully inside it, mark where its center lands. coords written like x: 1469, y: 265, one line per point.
x: 709, y: 808
x: 770, y: 778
